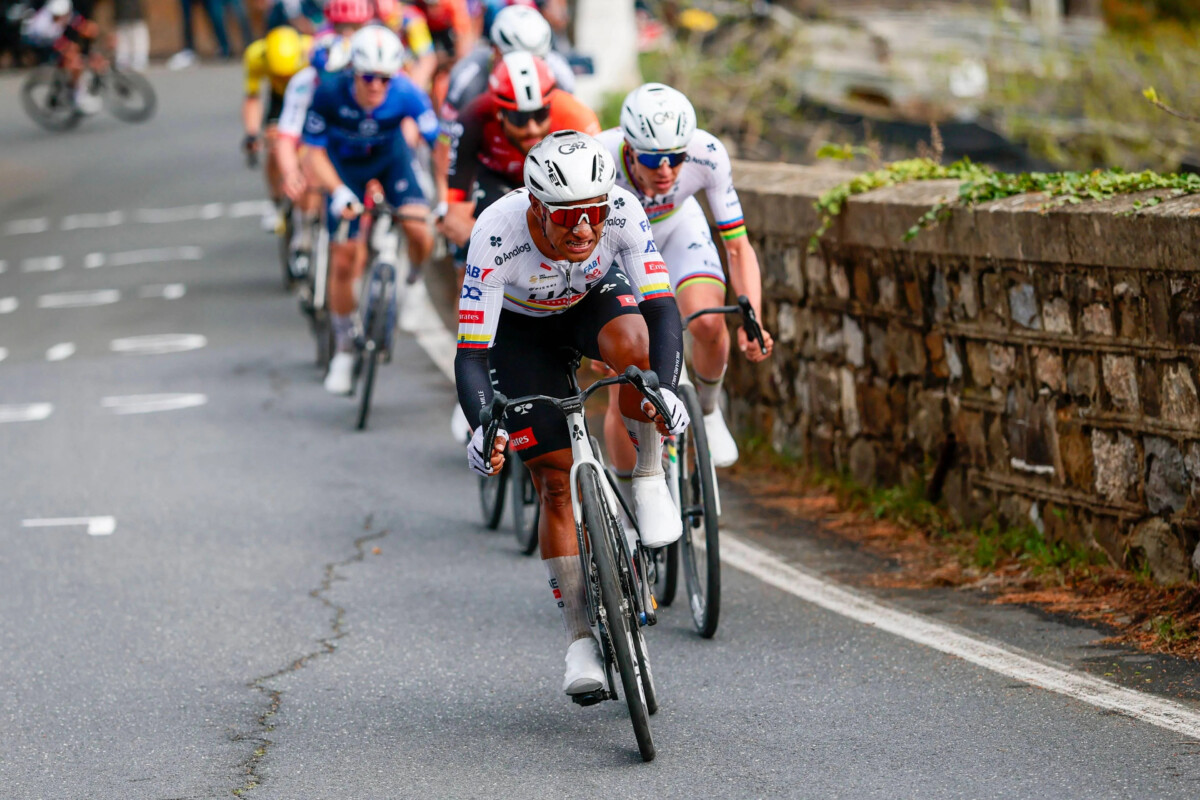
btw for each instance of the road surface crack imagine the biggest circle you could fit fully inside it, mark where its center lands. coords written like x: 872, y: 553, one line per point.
x: 327, y: 646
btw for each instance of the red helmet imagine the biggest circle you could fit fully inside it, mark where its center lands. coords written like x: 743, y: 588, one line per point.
x: 521, y: 82
x: 385, y: 9
x: 349, y: 12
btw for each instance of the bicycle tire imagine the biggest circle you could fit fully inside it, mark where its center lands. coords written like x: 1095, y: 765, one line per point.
x: 285, y: 244
x: 526, y: 509
x: 644, y: 673
x: 666, y: 574
x: 491, y: 496
x: 618, y: 609
x: 323, y: 331
x: 370, y: 360
x: 697, y: 495
x: 119, y: 85
x: 57, y: 111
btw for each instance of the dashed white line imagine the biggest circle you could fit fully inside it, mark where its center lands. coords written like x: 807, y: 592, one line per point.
x: 29, y: 412
x: 156, y: 344
x: 19, y: 226
x: 152, y: 403
x: 250, y: 208
x: 42, y: 264
x: 180, y: 214
x: 61, y: 351
x: 152, y: 255
x: 102, y: 297
x: 96, y: 526
x: 8, y: 304
x: 107, y: 219
x: 168, y: 291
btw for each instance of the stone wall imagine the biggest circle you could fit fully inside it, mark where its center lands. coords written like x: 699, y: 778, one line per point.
x: 1049, y: 357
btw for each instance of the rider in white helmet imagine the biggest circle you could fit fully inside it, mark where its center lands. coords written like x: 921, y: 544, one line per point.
x: 664, y: 159
x: 568, y: 261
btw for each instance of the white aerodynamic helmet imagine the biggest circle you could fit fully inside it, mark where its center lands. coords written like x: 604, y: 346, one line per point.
x: 569, y: 166
x: 376, y: 50
x: 58, y: 8
x: 655, y: 117
x: 523, y: 29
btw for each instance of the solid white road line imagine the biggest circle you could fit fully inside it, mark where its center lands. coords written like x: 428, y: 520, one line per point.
x: 42, y: 264
x: 168, y: 291
x: 158, y: 343
x: 8, y: 305
x: 108, y: 219
x: 61, y: 351
x: 3, y: 353
x: 151, y: 403
x: 18, y: 226
x: 424, y: 323
x: 154, y: 255
x: 180, y: 214
x: 772, y: 570
x: 102, y: 297
x: 96, y: 526
x: 30, y: 412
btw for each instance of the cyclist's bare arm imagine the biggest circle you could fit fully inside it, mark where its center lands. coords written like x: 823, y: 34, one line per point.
x: 322, y: 168
x: 252, y: 114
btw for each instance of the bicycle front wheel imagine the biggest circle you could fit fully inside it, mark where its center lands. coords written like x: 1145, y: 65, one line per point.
x: 370, y: 360
x: 617, y: 607
x: 129, y: 96
x: 49, y: 99
x: 699, y: 544
x: 526, y: 509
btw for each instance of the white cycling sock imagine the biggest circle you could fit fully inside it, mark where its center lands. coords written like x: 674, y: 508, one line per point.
x: 302, y: 229
x: 709, y: 392
x: 343, y: 332
x: 566, y: 582
x: 648, y: 443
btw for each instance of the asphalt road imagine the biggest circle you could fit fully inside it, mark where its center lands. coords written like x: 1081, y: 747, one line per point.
x: 290, y: 609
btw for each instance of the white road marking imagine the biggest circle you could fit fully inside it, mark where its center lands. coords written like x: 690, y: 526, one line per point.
x: 152, y: 255
x: 3, y: 265
x: 3, y: 353
x: 150, y: 403
x: 156, y: 344
x: 770, y: 569
x: 180, y: 214
x: 96, y: 526
x: 250, y: 208
x: 102, y: 297
x: 169, y: 291
x: 61, y: 351
x: 42, y: 264
x: 30, y: 412
x: 8, y: 305
x: 424, y: 323
x: 108, y: 219
x: 18, y: 226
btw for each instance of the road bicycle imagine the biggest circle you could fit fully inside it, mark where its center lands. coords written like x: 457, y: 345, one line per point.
x: 48, y: 94
x: 618, y: 576
x: 514, y: 487
x: 693, y: 481
x: 313, y: 293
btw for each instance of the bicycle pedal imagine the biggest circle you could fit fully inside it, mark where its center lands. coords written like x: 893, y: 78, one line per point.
x: 589, y: 698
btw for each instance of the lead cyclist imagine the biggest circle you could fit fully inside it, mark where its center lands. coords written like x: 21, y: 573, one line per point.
x: 562, y: 262
x: 664, y: 161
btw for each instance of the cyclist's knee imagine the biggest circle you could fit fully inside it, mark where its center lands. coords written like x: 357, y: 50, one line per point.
x: 709, y: 328
x: 625, y: 341
x: 554, y: 486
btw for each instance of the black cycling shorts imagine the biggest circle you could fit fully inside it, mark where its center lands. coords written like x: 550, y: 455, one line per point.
x: 530, y: 356
x: 273, y: 110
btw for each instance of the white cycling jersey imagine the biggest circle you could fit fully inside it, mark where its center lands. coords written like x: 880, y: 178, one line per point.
x: 707, y: 167
x: 505, y: 269
x: 296, y: 100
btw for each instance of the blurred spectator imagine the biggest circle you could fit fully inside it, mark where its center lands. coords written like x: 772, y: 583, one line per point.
x: 132, y: 35
x: 216, y: 16
x: 303, y: 15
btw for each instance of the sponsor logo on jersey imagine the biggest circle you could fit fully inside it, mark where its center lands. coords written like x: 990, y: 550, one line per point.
x: 655, y: 266
x: 486, y: 272
x: 593, y: 272
x: 616, y: 222
x: 608, y: 287
x: 368, y: 127
x: 650, y: 247
x: 704, y: 162
x: 695, y: 246
x: 546, y: 266
x: 516, y: 251
x: 347, y: 113
x: 314, y: 123
x: 472, y: 272
x: 627, y: 300
x: 535, y: 279
x: 471, y: 293
x: 522, y: 439
x: 644, y: 225
x: 470, y: 317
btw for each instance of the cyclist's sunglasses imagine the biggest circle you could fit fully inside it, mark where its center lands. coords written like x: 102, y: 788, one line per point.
x: 570, y: 216
x: 371, y: 77
x: 654, y: 160
x: 519, y: 119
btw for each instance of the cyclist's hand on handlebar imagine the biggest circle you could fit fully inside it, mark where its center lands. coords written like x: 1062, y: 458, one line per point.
x: 750, y: 349
x: 475, y: 452
x: 250, y: 143
x: 345, y: 202
x: 678, y: 421
x: 294, y: 186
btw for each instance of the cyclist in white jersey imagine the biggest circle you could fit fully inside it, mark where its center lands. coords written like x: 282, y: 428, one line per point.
x: 664, y: 161
x: 559, y: 263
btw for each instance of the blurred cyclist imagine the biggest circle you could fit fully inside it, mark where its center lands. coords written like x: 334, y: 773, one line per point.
x: 57, y: 31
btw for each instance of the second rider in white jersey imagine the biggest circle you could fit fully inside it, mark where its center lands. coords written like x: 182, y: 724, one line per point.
x: 561, y: 263
x: 664, y: 161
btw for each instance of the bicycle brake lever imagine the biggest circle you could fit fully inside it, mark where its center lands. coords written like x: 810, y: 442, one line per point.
x: 750, y: 323
x: 648, y: 384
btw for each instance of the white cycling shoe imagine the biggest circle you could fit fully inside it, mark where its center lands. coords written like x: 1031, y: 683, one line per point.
x: 585, y: 669
x: 721, y: 446
x: 340, y: 379
x: 460, y: 429
x: 658, y: 518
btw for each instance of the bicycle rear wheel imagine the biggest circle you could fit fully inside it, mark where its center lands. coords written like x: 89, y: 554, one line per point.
x: 526, y: 509
x: 129, y: 96
x: 285, y: 244
x: 697, y: 494
x: 617, y: 607
x: 49, y: 99
x: 491, y: 495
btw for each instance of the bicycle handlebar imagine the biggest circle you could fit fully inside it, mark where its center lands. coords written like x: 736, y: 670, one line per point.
x: 645, y: 381
x: 749, y: 319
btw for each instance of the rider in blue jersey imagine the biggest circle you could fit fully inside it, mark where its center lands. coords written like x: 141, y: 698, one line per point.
x: 354, y: 136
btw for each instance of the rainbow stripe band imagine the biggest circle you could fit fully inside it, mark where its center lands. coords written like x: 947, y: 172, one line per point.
x: 699, y: 278
x: 732, y: 229
x: 469, y: 341
x: 656, y: 290
x: 534, y: 305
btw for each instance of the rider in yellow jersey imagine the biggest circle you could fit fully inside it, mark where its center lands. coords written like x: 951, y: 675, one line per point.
x: 274, y: 59
x: 410, y: 24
